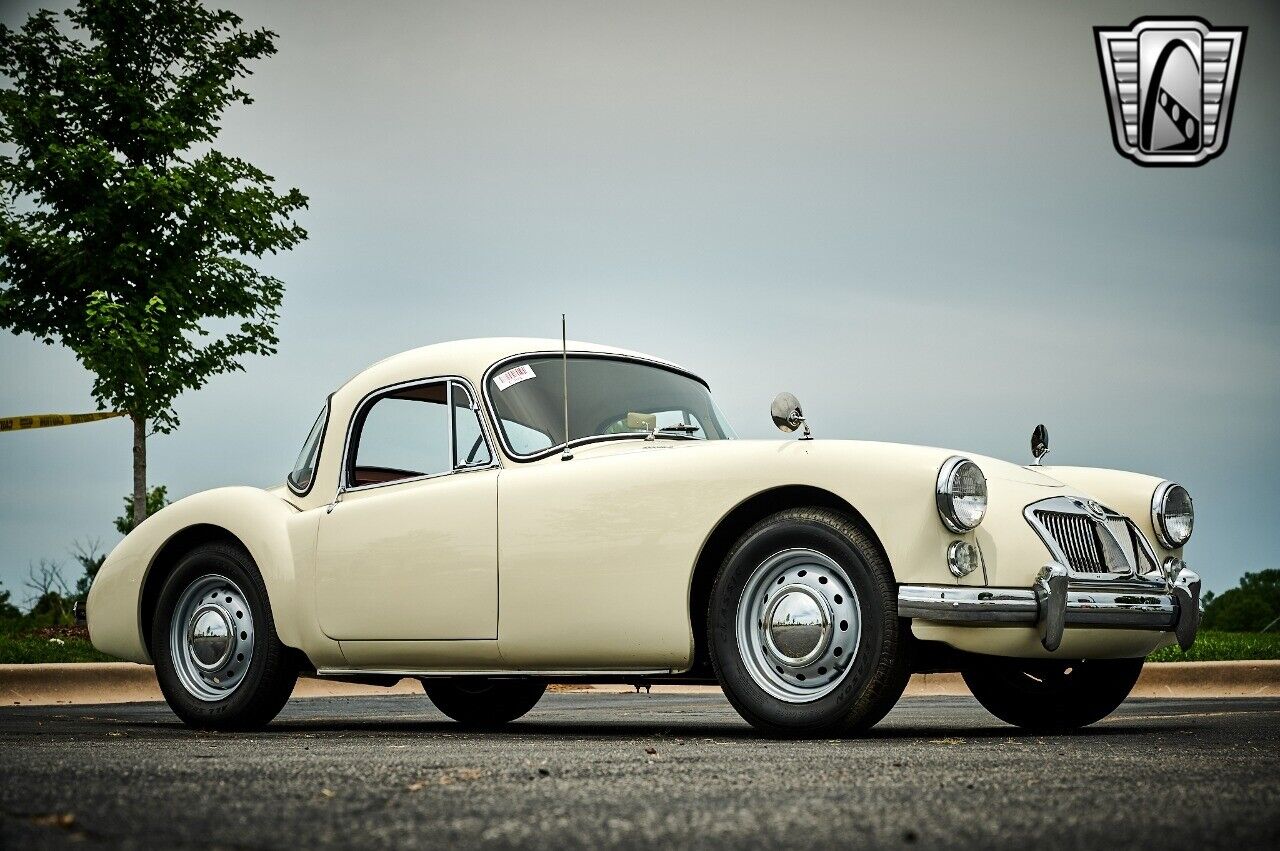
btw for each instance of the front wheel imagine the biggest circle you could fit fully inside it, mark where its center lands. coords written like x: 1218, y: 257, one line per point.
x: 1052, y: 696
x: 803, y: 626
x: 218, y: 659
x: 484, y: 701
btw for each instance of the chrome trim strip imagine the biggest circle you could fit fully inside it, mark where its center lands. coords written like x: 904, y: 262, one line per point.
x: 960, y: 604
x: 559, y: 447
x: 412, y: 672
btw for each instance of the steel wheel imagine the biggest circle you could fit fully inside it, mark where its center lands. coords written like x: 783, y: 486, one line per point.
x: 798, y: 625
x: 211, y: 638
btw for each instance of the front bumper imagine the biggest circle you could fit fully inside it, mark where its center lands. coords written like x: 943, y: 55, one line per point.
x: 1057, y: 602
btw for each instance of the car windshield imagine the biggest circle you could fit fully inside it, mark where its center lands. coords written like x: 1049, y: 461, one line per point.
x: 608, y: 398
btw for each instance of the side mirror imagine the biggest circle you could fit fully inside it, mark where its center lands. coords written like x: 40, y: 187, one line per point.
x: 1039, y: 443
x: 788, y: 416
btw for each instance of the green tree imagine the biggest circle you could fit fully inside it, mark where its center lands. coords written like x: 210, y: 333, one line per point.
x: 1266, y: 585
x: 88, y: 556
x: 8, y: 611
x: 123, y: 234
x: 1237, y: 610
x: 157, y: 498
x: 51, y: 600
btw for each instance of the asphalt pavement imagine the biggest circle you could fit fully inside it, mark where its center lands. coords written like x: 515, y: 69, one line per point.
x: 669, y: 770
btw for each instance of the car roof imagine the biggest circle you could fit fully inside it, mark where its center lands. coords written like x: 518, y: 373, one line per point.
x: 469, y: 359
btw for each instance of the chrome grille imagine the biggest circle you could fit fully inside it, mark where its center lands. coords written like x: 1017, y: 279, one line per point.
x: 1088, y: 538
x: 1077, y: 536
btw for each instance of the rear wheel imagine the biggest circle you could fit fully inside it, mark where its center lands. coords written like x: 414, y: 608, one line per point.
x: 1052, y: 696
x: 218, y: 660
x: 484, y: 701
x: 803, y: 627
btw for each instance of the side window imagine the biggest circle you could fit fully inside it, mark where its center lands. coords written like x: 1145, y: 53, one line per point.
x: 470, y: 449
x: 402, y: 435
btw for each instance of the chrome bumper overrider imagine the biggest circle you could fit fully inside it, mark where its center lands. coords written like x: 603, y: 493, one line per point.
x: 1057, y: 602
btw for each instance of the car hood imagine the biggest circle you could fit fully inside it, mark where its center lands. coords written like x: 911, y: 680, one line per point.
x: 908, y: 455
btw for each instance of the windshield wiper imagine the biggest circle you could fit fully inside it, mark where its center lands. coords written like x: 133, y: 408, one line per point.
x: 683, y: 428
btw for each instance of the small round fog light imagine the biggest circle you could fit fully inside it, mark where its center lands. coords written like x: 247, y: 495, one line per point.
x: 962, y: 558
x: 1171, y: 567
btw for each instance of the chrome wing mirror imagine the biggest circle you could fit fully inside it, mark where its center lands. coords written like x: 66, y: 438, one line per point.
x: 788, y: 416
x: 1039, y: 444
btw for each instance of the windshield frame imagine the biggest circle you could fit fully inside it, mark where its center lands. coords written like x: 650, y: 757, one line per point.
x: 500, y: 432
x: 322, y: 421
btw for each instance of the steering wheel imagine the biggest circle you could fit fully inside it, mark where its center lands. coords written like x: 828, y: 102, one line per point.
x: 475, y: 447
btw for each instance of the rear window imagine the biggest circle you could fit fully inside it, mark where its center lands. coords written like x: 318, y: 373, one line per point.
x: 304, y: 469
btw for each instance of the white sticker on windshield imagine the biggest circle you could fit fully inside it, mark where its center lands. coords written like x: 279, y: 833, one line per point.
x: 513, y: 376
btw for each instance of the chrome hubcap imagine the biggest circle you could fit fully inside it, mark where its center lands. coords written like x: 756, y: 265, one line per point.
x: 798, y: 625
x: 211, y: 638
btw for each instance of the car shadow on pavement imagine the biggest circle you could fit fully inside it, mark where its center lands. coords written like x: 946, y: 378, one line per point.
x: 382, y: 727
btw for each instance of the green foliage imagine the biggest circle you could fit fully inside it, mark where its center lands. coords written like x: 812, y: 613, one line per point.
x: 88, y: 557
x: 52, y: 608
x: 157, y: 498
x: 1223, y: 647
x: 8, y: 611
x: 23, y: 644
x: 1266, y: 585
x: 122, y: 232
x: 1238, y: 610
x: 1248, y: 608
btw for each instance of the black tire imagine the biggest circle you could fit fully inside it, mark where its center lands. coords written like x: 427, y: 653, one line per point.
x: 484, y: 702
x: 874, y: 679
x: 1052, y: 696
x: 272, y: 669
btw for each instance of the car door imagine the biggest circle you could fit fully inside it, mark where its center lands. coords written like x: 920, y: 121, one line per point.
x: 409, y: 550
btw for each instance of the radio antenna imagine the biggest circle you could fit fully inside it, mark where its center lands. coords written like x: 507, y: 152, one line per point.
x: 564, y: 350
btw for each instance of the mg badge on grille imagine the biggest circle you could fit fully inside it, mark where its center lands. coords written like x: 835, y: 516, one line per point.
x: 1170, y: 85
x: 1095, y: 510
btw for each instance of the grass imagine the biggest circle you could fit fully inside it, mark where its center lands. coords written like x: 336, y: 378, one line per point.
x: 22, y: 645
x: 1224, y: 647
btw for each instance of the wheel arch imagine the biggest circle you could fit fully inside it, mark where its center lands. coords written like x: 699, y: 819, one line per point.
x: 166, y: 560
x: 251, y: 519
x: 730, y: 528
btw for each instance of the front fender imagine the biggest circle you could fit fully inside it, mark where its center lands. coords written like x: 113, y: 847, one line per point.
x: 257, y: 519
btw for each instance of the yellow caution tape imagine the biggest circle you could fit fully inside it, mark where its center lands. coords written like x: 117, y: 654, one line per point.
x: 50, y: 420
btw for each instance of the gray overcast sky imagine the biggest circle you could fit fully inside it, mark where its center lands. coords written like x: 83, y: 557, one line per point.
x: 912, y: 217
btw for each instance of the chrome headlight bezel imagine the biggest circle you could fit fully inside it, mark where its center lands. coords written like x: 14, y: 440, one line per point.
x: 1159, y: 510
x: 946, y: 496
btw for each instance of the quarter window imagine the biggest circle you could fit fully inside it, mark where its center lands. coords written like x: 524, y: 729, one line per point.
x: 469, y: 446
x: 304, y: 469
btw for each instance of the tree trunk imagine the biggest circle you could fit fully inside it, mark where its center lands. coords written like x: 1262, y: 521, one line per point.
x: 139, y: 469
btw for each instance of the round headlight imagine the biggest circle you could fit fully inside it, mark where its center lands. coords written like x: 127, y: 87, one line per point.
x: 1172, y: 515
x: 962, y: 494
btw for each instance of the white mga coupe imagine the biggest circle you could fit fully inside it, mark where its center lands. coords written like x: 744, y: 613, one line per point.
x: 439, y: 525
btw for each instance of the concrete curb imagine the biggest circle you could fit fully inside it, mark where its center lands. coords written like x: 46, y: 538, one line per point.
x: 125, y: 682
